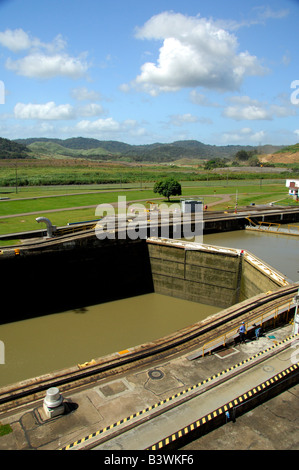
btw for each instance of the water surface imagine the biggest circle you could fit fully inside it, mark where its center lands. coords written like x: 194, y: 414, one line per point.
x: 280, y: 251
x: 52, y: 342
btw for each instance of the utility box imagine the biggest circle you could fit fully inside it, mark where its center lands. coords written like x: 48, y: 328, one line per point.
x: 190, y: 206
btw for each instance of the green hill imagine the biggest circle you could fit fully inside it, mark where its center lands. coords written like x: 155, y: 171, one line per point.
x: 11, y: 149
x: 53, y: 149
x: 81, y: 147
x: 289, y: 149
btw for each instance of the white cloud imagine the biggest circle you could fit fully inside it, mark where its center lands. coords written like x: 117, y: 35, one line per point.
x: 249, y: 112
x: 100, y: 125
x: 181, y: 119
x: 258, y: 16
x: 266, y: 12
x: 91, y: 109
x: 109, y: 128
x: 47, y: 111
x: 195, y: 53
x: 201, y: 100
x: 83, y: 94
x: 39, y: 65
x: 18, y: 40
x: 43, y: 60
x: 50, y: 111
x: 124, y: 87
x: 245, y: 108
x: 15, y: 40
x: 243, y: 136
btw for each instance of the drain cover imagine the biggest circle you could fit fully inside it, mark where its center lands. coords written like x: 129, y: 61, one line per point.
x: 156, y: 374
x: 268, y: 368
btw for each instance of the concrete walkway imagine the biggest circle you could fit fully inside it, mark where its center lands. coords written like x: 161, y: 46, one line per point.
x: 196, y: 411
x: 110, y: 407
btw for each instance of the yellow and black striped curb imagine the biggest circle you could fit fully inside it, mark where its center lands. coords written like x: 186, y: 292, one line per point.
x: 177, y: 395
x: 223, y: 409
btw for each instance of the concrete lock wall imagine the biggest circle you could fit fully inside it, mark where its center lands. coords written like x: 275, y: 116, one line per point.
x: 258, y: 277
x: 211, y: 275
x: 196, y: 275
x: 64, y: 275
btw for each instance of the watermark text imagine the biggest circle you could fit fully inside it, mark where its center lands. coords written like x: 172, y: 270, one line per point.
x: 295, y: 93
x: 2, y: 353
x: 136, y: 221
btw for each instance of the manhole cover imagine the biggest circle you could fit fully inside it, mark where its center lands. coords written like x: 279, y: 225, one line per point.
x: 156, y: 374
x: 268, y: 368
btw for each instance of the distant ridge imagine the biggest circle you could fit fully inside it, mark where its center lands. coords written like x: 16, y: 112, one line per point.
x: 157, y: 152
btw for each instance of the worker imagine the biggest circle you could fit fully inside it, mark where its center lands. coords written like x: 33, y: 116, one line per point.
x: 257, y: 331
x: 242, y: 332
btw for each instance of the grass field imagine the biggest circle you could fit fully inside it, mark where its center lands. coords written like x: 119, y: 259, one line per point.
x: 38, y: 172
x: 68, y: 190
x: 63, y: 204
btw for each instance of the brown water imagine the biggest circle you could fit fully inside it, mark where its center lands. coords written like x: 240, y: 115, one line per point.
x: 280, y: 251
x: 45, y: 344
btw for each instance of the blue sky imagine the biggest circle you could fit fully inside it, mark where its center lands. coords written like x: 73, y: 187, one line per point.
x: 142, y: 72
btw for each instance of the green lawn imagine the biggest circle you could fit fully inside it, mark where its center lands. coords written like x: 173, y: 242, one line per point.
x: 246, y: 193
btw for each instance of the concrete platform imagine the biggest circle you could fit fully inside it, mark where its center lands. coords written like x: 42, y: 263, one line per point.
x: 110, y: 407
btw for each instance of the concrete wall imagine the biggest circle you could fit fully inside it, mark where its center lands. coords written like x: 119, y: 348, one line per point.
x: 65, y: 276
x: 258, y: 277
x: 211, y: 275
x: 204, y: 275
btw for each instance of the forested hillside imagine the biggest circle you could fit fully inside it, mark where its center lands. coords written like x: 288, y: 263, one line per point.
x: 157, y: 152
x: 11, y: 149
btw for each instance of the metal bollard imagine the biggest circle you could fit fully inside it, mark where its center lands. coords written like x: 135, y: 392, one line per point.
x: 53, y: 403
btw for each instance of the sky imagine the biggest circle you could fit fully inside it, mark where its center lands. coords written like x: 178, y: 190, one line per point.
x: 223, y: 73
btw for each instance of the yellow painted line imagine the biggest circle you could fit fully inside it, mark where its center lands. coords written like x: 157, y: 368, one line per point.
x: 225, y: 407
x: 246, y: 395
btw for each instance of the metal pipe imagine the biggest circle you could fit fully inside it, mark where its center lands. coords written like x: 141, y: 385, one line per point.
x: 50, y: 228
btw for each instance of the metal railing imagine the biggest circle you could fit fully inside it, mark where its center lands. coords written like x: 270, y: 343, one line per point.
x: 270, y: 225
x: 260, y: 318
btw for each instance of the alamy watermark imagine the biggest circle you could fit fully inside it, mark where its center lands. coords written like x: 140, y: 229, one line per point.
x: 295, y: 93
x: 135, y: 221
x: 2, y: 353
x: 2, y: 92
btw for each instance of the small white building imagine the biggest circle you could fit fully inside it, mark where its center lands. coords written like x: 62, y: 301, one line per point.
x: 293, y: 186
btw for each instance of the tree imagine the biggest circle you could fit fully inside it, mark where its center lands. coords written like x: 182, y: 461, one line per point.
x: 243, y: 155
x: 254, y: 161
x: 216, y: 163
x: 168, y: 187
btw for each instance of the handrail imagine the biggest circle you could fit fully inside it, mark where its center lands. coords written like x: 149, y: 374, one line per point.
x: 259, y: 318
x: 270, y: 224
x: 269, y: 227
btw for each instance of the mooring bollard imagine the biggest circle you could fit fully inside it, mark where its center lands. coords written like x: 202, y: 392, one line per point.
x: 53, y: 403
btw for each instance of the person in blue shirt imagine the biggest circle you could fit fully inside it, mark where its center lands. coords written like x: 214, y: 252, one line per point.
x: 257, y: 331
x: 242, y: 332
